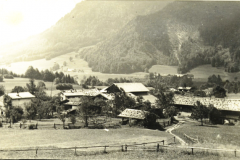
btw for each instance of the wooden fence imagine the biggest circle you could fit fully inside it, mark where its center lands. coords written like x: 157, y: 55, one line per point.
x: 157, y: 146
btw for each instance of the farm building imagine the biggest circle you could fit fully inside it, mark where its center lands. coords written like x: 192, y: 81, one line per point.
x: 18, y: 100
x: 71, y: 99
x: 128, y: 114
x: 230, y: 108
x: 133, y: 90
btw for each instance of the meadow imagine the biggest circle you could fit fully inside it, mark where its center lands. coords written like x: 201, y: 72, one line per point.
x: 211, y: 136
x: 76, y: 63
x: 24, y: 138
x: 9, y: 84
x: 201, y: 73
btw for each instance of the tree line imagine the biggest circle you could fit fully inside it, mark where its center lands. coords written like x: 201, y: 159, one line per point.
x: 94, y: 81
x: 47, y: 75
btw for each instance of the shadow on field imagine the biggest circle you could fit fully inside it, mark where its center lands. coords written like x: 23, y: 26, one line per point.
x: 212, y: 126
x: 46, y: 120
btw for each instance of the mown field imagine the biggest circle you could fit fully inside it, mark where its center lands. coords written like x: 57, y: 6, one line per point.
x: 9, y: 84
x: 211, y: 136
x: 76, y: 63
x: 201, y: 73
x: 24, y: 138
x: 116, y: 155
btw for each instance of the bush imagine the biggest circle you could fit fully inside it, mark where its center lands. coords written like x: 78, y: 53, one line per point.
x: 73, y: 119
x: 32, y: 126
x: 64, y: 86
x: 7, y: 76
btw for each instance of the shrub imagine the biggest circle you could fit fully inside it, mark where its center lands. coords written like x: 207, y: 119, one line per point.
x: 73, y: 119
x: 64, y: 86
x: 7, y: 76
x: 31, y: 126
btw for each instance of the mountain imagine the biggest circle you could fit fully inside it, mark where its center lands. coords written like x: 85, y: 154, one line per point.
x: 88, y: 23
x: 186, y: 34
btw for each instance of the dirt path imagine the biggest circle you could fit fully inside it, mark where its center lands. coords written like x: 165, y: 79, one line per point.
x: 169, y: 130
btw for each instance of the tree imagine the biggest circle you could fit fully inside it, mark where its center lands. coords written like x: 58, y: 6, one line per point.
x: 219, y: 92
x: 18, y: 89
x: 31, y: 110
x: 1, y: 78
x: 122, y: 101
x: 2, y: 90
x: 164, y: 100
x: 200, y: 111
x: 55, y: 67
x: 70, y: 59
x: 73, y: 119
x: 87, y: 109
x: 12, y: 113
x: 214, y: 114
x: 41, y: 85
x: 31, y: 86
x: 61, y: 114
x: 56, y: 81
x: 171, y: 111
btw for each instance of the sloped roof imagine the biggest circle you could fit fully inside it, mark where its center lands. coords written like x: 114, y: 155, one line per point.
x: 133, y: 113
x: 132, y: 87
x: 20, y: 95
x: 150, y: 97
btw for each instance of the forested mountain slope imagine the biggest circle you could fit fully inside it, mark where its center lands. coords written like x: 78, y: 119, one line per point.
x: 88, y: 23
x: 130, y: 36
x: 187, y: 34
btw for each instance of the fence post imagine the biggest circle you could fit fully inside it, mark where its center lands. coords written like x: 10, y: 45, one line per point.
x: 54, y: 126
x: 163, y: 142
x: 105, y: 149
x: 36, y: 151
x: 235, y: 153
x: 125, y: 147
x: 174, y: 139
x: 36, y: 125
x: 158, y: 147
x: 192, y: 151
x: 75, y: 153
x: 122, y: 148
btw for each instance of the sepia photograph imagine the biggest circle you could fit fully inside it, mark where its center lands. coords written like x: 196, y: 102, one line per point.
x: 119, y: 79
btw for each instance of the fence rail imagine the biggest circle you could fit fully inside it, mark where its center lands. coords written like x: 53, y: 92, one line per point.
x: 156, y: 146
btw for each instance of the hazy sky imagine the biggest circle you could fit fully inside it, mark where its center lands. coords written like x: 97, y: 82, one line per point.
x: 20, y: 19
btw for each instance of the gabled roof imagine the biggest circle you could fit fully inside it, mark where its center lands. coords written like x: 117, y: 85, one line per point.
x: 132, y: 87
x: 150, y: 98
x: 20, y: 95
x: 133, y: 113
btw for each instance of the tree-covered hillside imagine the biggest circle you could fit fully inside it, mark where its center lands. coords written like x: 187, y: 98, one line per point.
x: 186, y: 34
x: 88, y: 23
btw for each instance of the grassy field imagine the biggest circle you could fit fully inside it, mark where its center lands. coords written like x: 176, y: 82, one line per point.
x: 215, y: 136
x: 137, y: 154
x: 23, y: 138
x: 77, y: 63
x: 201, y: 73
x: 163, y: 69
x: 9, y: 84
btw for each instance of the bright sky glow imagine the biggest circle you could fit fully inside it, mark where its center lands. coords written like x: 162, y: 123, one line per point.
x: 20, y: 19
